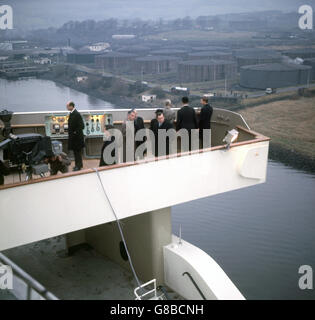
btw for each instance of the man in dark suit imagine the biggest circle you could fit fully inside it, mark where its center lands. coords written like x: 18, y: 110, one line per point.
x: 139, y: 124
x: 157, y: 124
x: 204, y: 118
x: 186, y: 118
x: 76, y: 138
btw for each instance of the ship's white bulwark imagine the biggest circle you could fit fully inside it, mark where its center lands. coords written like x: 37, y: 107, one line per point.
x: 37, y: 211
x: 193, y: 274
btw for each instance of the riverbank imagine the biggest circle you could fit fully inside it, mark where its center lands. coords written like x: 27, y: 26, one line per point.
x: 291, y: 126
x: 120, y: 101
x: 116, y: 90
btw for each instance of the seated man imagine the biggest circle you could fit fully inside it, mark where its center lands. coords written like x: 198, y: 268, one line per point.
x: 58, y: 162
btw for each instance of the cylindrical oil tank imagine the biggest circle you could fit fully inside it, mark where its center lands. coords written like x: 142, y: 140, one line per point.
x: 248, y: 57
x: 213, y: 55
x: 155, y: 64
x: 275, y: 75
x: 206, y: 70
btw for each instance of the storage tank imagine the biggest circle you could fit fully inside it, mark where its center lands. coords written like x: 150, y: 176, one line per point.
x: 275, y: 75
x: 247, y: 57
x: 115, y: 60
x: 213, y: 55
x: 155, y: 64
x: 206, y: 70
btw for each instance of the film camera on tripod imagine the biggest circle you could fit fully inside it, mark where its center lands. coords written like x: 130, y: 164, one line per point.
x: 25, y: 152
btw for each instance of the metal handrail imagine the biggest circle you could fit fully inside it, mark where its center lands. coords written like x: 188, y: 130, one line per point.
x: 28, y: 280
x: 195, y: 284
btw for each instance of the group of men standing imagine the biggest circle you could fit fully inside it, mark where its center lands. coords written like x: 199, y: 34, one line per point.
x: 187, y: 118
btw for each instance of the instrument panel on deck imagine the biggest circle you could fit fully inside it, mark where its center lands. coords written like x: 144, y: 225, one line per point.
x: 56, y: 125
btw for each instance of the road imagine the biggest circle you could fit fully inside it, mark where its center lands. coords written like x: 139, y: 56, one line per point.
x: 280, y: 90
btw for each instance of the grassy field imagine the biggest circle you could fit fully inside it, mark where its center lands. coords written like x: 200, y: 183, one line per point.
x: 201, y: 35
x: 289, y: 123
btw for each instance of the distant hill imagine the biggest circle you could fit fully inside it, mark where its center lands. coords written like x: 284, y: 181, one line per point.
x: 35, y: 14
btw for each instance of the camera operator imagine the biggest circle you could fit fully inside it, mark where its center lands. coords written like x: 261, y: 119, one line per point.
x: 59, y: 162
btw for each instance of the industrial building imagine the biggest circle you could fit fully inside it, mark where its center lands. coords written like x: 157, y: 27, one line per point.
x: 311, y: 62
x: 213, y: 55
x: 115, y: 61
x: 14, y: 45
x: 155, y: 64
x: 247, y: 57
x: 82, y: 57
x: 275, y: 75
x: 206, y: 70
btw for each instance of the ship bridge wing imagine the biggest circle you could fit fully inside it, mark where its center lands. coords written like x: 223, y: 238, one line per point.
x: 52, y: 206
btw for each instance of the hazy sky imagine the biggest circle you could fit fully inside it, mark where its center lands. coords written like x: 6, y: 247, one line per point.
x: 44, y: 13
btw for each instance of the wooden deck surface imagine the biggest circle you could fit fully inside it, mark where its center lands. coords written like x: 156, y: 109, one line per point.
x: 15, y: 178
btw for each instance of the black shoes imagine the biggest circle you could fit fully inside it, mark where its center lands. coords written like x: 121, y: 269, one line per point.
x: 76, y: 169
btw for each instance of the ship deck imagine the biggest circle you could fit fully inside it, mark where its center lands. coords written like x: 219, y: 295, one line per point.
x: 15, y: 178
x: 85, y: 275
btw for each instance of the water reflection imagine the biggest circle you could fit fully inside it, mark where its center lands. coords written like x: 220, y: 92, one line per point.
x: 33, y: 94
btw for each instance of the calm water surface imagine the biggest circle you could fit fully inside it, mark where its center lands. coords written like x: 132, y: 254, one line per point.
x: 259, y: 235
x: 41, y: 95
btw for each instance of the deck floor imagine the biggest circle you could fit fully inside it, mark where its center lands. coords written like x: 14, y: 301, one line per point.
x: 85, y: 275
x: 15, y: 178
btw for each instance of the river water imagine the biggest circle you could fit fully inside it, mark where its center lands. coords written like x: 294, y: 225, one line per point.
x: 39, y: 95
x: 260, y: 235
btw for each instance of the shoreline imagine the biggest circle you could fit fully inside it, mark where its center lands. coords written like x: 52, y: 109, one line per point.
x: 120, y: 102
x: 291, y: 158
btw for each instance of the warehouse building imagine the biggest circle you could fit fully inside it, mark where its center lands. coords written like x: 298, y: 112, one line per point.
x: 82, y: 57
x: 275, y: 75
x: 213, y: 55
x: 115, y: 61
x: 311, y: 62
x: 206, y: 70
x: 247, y: 57
x: 155, y: 64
